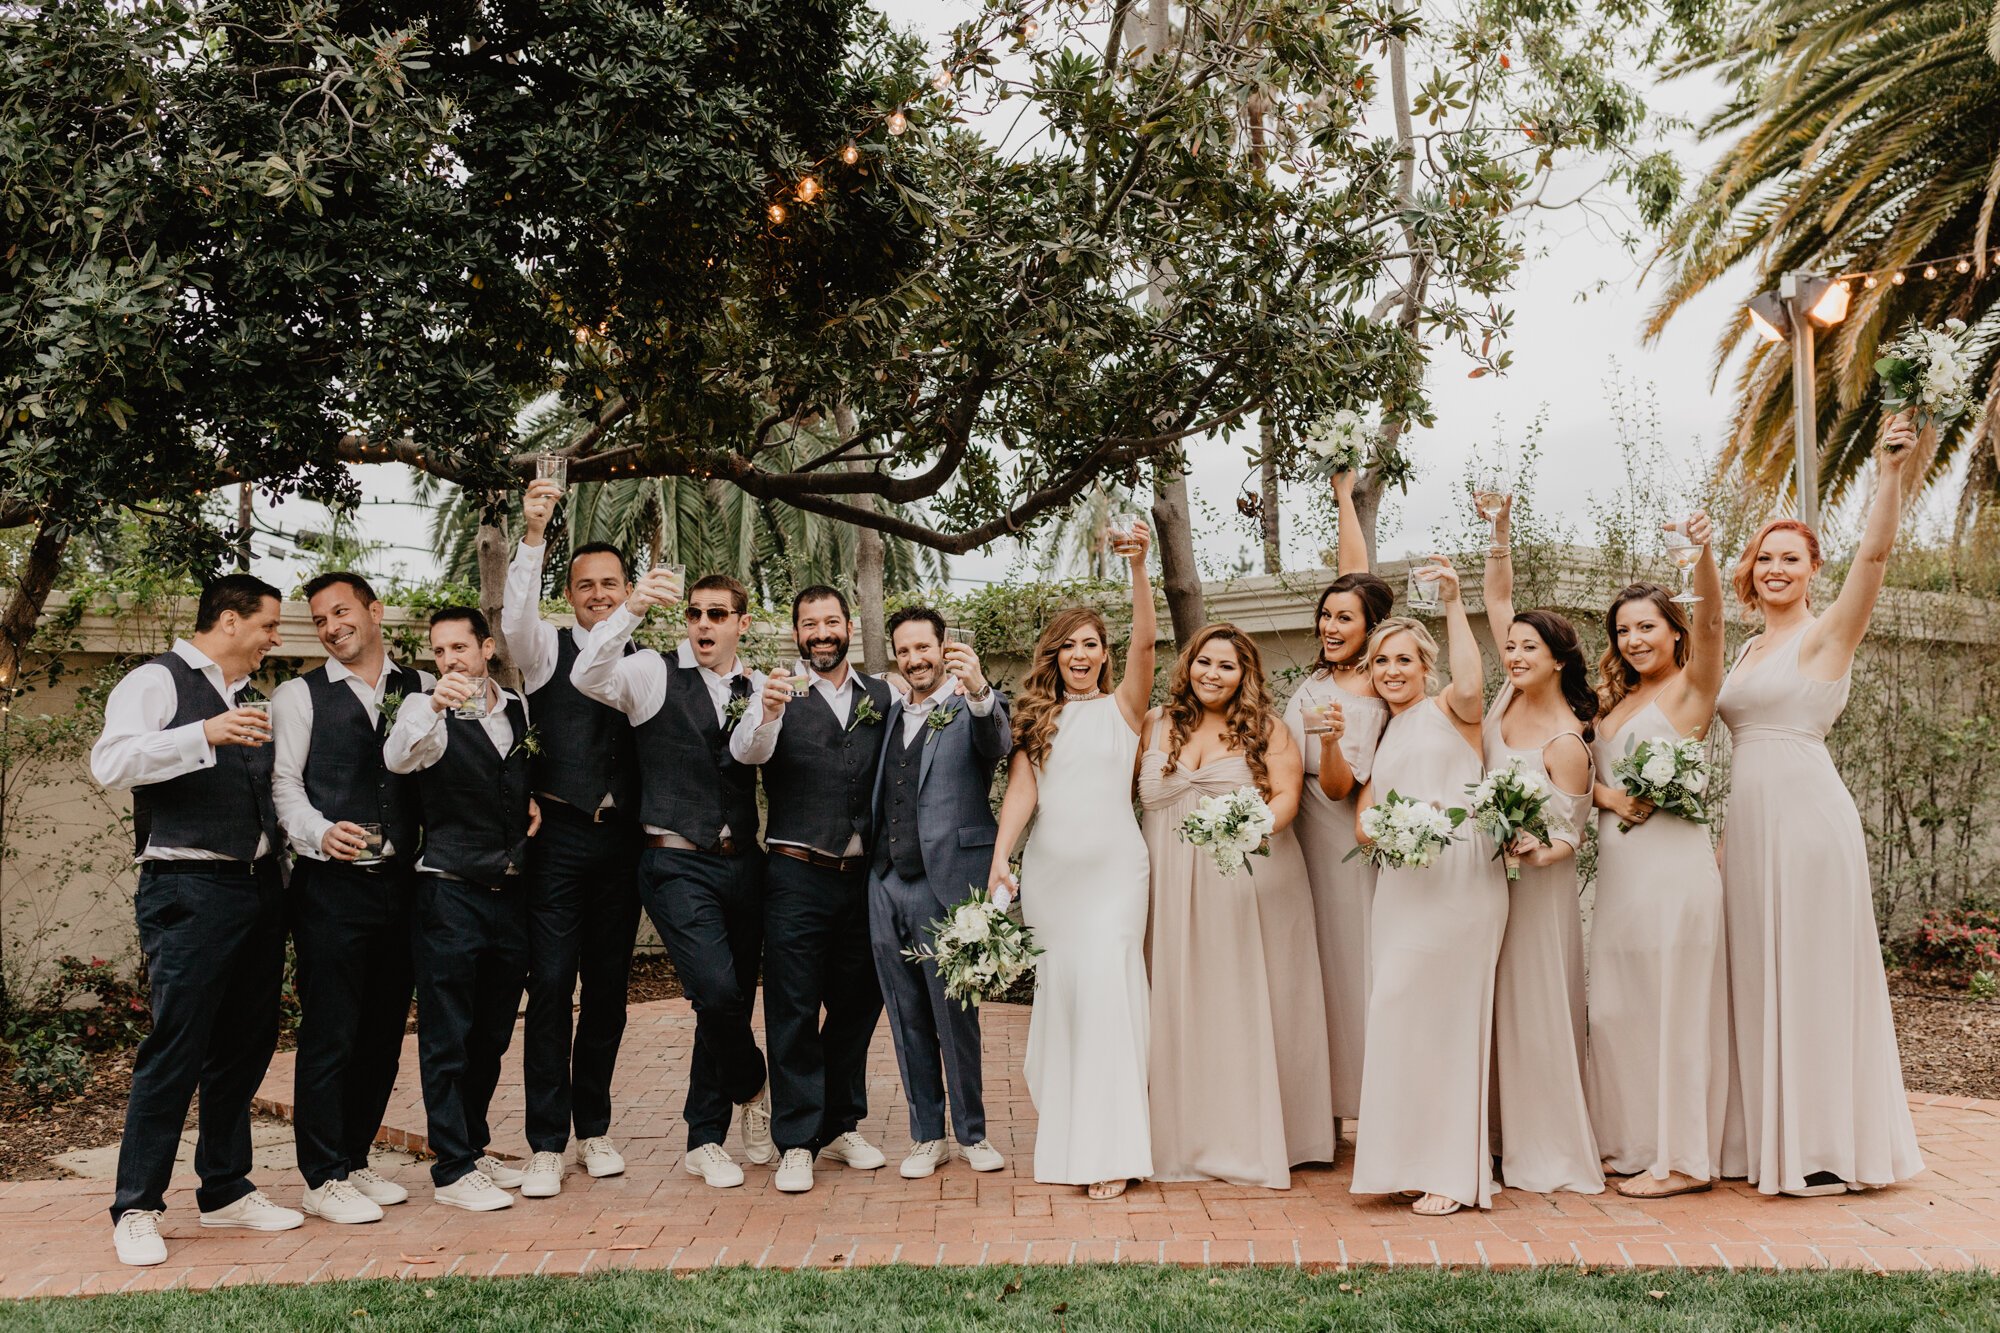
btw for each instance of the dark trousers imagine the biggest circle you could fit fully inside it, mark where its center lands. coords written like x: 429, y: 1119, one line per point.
x: 351, y: 933
x: 816, y: 956
x: 472, y: 965
x: 583, y: 915
x: 709, y: 911
x: 927, y: 1026
x: 214, y: 944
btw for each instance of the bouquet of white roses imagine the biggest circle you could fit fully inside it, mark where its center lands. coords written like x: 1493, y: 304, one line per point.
x: 1233, y: 828
x: 1405, y: 834
x: 1340, y: 441
x: 1508, y: 802
x: 1930, y: 371
x: 1671, y: 774
x: 979, y: 950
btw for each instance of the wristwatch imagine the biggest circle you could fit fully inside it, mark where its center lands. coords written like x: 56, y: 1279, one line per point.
x: 982, y: 696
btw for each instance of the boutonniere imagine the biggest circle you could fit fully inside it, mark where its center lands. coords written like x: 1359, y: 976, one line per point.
x: 733, y: 711
x: 865, y: 714
x: 392, y: 704
x: 939, y: 719
x: 529, y: 744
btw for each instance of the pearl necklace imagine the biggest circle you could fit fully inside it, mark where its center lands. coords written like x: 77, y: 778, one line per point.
x: 1069, y: 698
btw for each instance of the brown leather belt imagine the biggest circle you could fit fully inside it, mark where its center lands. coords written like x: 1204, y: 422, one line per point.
x: 722, y: 847
x: 846, y: 865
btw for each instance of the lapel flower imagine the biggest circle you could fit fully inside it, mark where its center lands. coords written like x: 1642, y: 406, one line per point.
x: 864, y: 713
x: 733, y: 711
x: 939, y: 719
x: 529, y: 744
x: 392, y: 704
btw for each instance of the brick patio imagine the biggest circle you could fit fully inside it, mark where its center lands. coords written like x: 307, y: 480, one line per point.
x: 57, y: 1241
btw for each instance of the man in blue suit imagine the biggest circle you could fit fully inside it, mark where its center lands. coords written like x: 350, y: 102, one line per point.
x: 933, y: 845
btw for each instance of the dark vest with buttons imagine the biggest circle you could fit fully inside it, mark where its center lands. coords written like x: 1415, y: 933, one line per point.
x: 475, y: 800
x: 905, y: 764
x: 223, y: 808
x: 820, y: 780
x: 587, y: 747
x: 345, y: 777
x: 687, y: 782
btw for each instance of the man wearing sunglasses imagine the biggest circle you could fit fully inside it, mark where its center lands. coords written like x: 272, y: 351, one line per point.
x: 701, y: 876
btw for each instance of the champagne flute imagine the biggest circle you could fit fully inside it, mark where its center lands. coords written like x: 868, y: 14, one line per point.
x: 552, y: 467
x: 1426, y: 598
x: 1685, y: 552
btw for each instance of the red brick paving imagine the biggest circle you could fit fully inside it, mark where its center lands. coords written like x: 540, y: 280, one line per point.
x: 57, y: 1242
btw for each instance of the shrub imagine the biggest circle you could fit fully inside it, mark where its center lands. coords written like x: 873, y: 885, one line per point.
x: 91, y: 1005
x: 1964, y: 940
x: 48, y: 1067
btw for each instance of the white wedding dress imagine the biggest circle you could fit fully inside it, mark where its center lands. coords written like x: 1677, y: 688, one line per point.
x: 1084, y: 894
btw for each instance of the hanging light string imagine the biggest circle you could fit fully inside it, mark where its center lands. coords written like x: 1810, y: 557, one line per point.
x: 1928, y: 269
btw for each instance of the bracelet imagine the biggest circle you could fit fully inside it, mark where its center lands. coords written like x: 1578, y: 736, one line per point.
x: 1498, y: 553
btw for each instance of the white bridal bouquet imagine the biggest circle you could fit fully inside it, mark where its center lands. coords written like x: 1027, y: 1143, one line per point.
x: 1671, y: 774
x: 979, y: 950
x: 1930, y: 371
x: 1340, y: 441
x: 1405, y: 834
x: 1508, y: 802
x: 1233, y: 828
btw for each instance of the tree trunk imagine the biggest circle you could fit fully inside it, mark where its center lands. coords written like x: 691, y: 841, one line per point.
x: 1179, y: 578
x: 1368, y: 509
x: 1267, y: 509
x: 870, y: 561
x: 245, y: 515
x: 24, y: 608
x: 494, y: 551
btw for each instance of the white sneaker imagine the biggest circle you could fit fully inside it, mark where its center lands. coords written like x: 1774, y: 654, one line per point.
x: 138, y: 1239
x: 757, y: 1145
x: 256, y: 1213
x: 599, y: 1158
x: 925, y: 1158
x: 475, y: 1192
x: 377, y: 1187
x: 795, y: 1172
x: 854, y: 1150
x: 497, y: 1171
x: 543, y: 1178
x: 338, y: 1201
x: 712, y: 1164
x: 982, y: 1156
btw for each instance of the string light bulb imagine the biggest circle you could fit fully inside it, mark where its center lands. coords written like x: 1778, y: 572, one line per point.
x: 1930, y: 270
x: 808, y: 189
x: 941, y: 80
x: 850, y: 154
x: 1898, y: 277
x: 897, y: 122
x: 777, y: 213
x: 1964, y: 266
x: 1029, y: 28
x: 1869, y: 282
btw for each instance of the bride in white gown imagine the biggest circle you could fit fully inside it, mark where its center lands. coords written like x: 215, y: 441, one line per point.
x: 1076, y: 741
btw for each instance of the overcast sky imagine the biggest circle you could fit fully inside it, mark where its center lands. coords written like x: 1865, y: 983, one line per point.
x: 1577, y: 307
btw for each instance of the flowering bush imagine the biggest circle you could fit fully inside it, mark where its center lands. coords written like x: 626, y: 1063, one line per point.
x: 1963, y: 940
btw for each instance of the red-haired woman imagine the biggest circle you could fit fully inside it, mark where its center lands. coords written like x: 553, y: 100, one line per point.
x: 1658, y: 1076
x: 1240, y: 1089
x: 1339, y: 753
x: 1075, y: 742
x: 1823, y: 1101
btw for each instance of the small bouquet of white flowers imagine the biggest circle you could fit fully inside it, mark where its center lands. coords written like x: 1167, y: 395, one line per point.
x: 979, y: 950
x: 1929, y: 371
x: 1233, y: 828
x: 1340, y: 441
x: 1405, y: 834
x: 1671, y: 774
x: 1508, y: 802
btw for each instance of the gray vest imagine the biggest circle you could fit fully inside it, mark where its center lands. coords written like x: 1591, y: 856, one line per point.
x: 224, y: 808
x: 820, y: 781
x: 687, y: 780
x: 345, y: 777
x: 587, y: 748
x: 476, y: 801
x: 904, y: 766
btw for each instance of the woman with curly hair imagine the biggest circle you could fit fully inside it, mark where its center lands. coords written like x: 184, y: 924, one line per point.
x: 1075, y: 739
x: 1240, y: 1087
x: 1543, y: 718
x: 1335, y: 718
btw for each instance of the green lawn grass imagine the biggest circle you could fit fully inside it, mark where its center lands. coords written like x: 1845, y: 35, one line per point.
x: 877, y: 1300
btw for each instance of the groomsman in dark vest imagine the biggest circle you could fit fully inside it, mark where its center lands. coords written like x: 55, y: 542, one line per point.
x: 701, y: 876
x: 934, y: 840
x: 467, y: 744
x: 210, y: 909
x: 352, y: 825
x: 819, y: 785
x: 583, y: 893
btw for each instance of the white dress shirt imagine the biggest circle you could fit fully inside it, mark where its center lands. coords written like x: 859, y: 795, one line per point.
x: 636, y: 685
x: 138, y: 748
x: 420, y: 736
x: 840, y: 698
x: 917, y: 712
x: 291, y: 726
x: 532, y: 640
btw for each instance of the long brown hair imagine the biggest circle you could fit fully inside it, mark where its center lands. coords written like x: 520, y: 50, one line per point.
x: 1616, y: 676
x: 1573, y: 679
x: 1042, y: 694
x: 1246, y: 723
x: 1377, y: 599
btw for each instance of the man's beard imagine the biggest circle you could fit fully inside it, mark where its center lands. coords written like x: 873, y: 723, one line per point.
x: 825, y: 657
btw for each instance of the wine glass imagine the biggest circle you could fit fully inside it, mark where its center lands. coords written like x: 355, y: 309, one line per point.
x: 1490, y: 492
x: 1685, y: 552
x: 1426, y: 598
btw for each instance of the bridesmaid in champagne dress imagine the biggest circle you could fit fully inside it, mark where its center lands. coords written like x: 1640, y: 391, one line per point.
x: 1658, y: 1075
x: 1075, y: 743
x: 1339, y: 749
x: 1240, y: 1089
x: 1435, y: 938
x: 1824, y: 1108
x: 1543, y: 719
